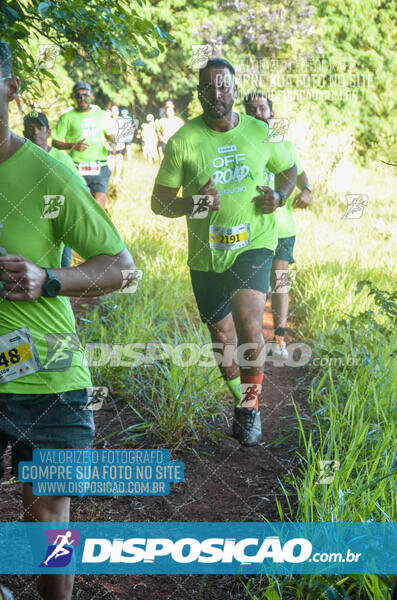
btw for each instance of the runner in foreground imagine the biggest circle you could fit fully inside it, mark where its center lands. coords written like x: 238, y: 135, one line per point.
x: 44, y: 406
x: 83, y: 131
x: 260, y: 107
x: 219, y: 160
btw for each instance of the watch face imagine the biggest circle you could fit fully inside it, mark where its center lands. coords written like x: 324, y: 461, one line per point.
x: 53, y: 287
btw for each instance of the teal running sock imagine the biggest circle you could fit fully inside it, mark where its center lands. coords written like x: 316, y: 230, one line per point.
x: 234, y: 386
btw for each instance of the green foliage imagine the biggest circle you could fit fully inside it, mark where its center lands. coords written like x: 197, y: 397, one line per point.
x: 140, y: 53
x: 95, y: 32
x: 360, y: 34
x: 353, y: 422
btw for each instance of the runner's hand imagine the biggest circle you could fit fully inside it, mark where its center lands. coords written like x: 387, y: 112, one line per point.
x: 212, y: 201
x: 302, y: 200
x: 268, y: 201
x: 80, y: 146
x: 23, y: 280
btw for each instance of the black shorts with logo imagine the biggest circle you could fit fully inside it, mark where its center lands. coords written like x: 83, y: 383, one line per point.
x: 251, y: 270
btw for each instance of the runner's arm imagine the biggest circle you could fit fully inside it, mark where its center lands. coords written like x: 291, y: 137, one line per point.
x: 302, y: 200
x: 269, y: 200
x: 79, y: 146
x: 286, y: 181
x: 99, y: 275
x: 63, y: 145
x: 302, y: 181
x: 165, y: 202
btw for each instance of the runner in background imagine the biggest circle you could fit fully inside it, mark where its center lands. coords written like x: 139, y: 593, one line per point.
x: 166, y: 126
x: 149, y: 140
x: 260, y: 107
x: 116, y: 147
x: 83, y: 132
x: 129, y: 128
x: 219, y: 159
x: 36, y: 128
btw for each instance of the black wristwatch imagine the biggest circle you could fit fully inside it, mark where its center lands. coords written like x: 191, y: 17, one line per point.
x: 306, y: 187
x: 282, y: 197
x: 52, y: 286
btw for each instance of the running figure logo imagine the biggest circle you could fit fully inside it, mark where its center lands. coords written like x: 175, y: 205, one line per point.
x: 60, y: 351
x: 125, y: 128
x: 200, y: 55
x: 355, y: 205
x: 201, y: 206
x: 277, y: 130
x: 250, y: 393
x: 47, y: 56
x: 131, y: 280
x: 52, y: 206
x: 60, y: 547
x: 284, y: 281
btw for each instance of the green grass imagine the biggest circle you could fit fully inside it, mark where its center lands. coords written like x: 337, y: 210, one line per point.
x: 352, y: 407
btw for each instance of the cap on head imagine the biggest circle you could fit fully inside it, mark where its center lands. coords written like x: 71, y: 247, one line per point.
x: 81, y: 85
x: 36, y: 116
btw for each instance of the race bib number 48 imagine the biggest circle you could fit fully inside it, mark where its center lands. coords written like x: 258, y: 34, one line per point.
x: 229, y: 238
x: 18, y: 355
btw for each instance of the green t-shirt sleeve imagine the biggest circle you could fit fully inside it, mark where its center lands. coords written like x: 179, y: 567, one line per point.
x: 60, y: 129
x: 66, y: 160
x: 70, y: 164
x: 171, y: 170
x: 75, y: 170
x: 84, y: 226
x: 279, y: 158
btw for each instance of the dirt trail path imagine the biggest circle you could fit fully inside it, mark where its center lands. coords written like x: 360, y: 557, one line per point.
x: 227, y: 483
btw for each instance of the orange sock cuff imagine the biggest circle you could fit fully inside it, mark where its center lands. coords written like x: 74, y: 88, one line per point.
x: 251, y: 378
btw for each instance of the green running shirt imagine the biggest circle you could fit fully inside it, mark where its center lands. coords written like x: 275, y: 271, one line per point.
x: 41, y: 212
x: 65, y: 159
x: 236, y: 160
x: 284, y: 216
x: 90, y: 126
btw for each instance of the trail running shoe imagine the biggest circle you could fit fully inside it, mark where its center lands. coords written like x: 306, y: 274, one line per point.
x: 247, y: 428
x: 279, y: 348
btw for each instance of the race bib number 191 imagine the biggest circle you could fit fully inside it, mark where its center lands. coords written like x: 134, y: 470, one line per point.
x: 18, y: 355
x: 229, y: 238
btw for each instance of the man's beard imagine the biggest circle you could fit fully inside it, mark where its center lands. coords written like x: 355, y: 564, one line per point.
x: 223, y: 111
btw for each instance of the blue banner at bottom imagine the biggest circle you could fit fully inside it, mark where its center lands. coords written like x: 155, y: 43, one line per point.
x: 198, y: 548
